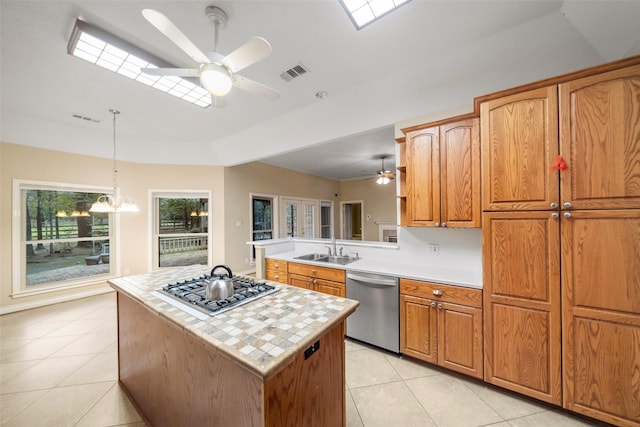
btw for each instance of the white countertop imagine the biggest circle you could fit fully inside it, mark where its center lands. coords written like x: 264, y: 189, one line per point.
x: 447, y: 276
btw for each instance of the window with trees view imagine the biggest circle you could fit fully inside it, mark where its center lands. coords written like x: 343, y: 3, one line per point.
x: 59, y: 241
x: 261, y: 220
x: 181, y: 229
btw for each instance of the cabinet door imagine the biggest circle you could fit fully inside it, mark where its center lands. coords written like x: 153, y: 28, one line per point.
x: 519, y: 136
x: 521, y: 274
x: 418, y: 328
x: 460, y: 174
x: 423, y: 177
x: 460, y: 338
x: 600, y: 140
x: 302, y: 281
x: 601, y: 314
x: 331, y: 288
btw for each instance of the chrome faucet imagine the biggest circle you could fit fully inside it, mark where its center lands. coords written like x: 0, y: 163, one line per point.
x: 333, y: 243
x: 341, y: 249
x: 329, y: 248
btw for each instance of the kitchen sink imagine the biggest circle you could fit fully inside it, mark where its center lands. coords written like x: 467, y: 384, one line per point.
x: 327, y: 258
x: 312, y: 257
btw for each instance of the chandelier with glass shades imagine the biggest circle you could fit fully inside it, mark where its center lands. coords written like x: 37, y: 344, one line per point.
x: 384, y: 176
x: 115, y: 202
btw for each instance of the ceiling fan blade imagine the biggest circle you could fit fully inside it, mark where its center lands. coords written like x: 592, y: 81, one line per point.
x: 249, y: 53
x: 180, y: 72
x: 255, y: 88
x: 166, y: 27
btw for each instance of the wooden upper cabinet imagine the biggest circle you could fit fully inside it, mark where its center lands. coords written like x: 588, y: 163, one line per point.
x: 519, y: 148
x: 443, y: 175
x: 460, y: 174
x: 423, y: 177
x: 600, y: 140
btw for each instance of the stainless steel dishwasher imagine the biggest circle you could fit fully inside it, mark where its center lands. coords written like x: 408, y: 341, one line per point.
x: 377, y: 319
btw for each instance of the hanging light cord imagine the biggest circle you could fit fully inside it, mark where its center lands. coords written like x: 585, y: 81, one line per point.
x: 115, y: 164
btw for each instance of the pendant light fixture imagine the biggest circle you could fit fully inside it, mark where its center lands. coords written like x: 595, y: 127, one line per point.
x: 114, y: 202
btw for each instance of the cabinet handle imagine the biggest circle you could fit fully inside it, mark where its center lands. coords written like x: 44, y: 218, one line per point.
x: 276, y: 276
x: 439, y: 306
x: 276, y: 265
x: 554, y: 205
x: 433, y: 304
x: 444, y: 224
x: 555, y: 215
x: 567, y: 205
x: 437, y: 224
x: 437, y: 292
x: 567, y: 214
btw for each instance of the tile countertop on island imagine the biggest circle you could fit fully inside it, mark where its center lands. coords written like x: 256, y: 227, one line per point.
x: 263, y: 335
x: 430, y: 273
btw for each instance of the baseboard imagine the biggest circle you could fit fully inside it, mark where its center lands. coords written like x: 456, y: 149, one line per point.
x: 54, y: 300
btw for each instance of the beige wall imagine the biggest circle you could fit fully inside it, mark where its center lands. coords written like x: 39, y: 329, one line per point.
x: 135, y: 180
x: 379, y: 201
x: 261, y: 178
x: 230, y: 188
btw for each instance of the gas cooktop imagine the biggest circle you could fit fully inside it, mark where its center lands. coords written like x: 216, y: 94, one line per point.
x: 192, y: 293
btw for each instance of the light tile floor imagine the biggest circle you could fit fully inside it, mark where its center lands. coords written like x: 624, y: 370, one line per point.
x: 58, y: 367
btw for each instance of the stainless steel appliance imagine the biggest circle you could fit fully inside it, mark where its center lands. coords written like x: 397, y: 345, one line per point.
x: 193, y: 292
x: 377, y: 320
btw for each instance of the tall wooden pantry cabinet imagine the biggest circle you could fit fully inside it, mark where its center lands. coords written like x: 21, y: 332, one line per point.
x: 561, y: 241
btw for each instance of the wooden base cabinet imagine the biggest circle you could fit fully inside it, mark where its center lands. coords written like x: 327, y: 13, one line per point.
x: 442, y: 324
x: 277, y: 270
x: 601, y: 314
x: 322, y: 279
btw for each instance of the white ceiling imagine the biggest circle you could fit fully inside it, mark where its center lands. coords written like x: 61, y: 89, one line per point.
x: 426, y: 57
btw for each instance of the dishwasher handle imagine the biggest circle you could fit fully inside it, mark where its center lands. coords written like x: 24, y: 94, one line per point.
x: 373, y: 281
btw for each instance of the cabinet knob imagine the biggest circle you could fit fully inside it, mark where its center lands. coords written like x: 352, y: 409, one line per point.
x: 567, y: 214
x: 437, y: 292
x: 276, y: 265
x: 567, y: 205
x: 555, y: 215
x: 437, y: 224
x: 444, y: 224
x: 439, y: 306
x: 554, y: 205
x: 433, y: 304
x: 276, y: 276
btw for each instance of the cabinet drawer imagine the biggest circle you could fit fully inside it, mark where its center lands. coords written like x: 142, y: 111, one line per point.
x: 278, y: 276
x: 276, y: 264
x: 333, y: 274
x: 439, y: 292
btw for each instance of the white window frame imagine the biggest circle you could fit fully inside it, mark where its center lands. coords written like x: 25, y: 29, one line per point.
x: 331, y: 217
x: 154, y: 196
x: 274, y: 218
x: 19, y: 287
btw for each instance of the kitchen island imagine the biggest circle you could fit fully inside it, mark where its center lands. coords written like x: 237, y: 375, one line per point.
x: 276, y: 361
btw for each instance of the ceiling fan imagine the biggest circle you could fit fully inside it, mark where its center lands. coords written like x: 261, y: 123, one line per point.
x: 217, y: 73
x: 384, y: 176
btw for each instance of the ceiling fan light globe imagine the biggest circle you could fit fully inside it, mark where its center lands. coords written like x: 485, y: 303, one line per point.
x: 215, y: 79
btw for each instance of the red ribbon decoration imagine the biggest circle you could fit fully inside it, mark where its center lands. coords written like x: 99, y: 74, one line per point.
x: 560, y: 164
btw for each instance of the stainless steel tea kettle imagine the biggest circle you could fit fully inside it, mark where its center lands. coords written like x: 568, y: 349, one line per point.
x: 219, y: 286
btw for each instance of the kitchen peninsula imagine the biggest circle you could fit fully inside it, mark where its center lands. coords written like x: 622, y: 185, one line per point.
x: 276, y: 361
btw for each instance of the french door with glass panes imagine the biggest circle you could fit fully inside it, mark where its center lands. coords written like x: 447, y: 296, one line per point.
x: 300, y: 218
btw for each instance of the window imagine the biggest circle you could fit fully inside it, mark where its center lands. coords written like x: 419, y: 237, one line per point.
x: 326, y: 215
x: 262, y: 216
x: 181, y: 229
x: 57, y: 241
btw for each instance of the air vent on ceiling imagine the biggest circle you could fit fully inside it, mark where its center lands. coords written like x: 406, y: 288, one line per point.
x: 293, y: 72
x: 85, y: 118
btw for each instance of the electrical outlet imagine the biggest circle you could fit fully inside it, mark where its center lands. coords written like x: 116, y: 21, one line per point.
x: 433, y: 249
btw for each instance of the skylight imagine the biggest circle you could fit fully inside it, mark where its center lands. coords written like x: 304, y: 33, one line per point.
x: 108, y: 51
x: 364, y: 12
